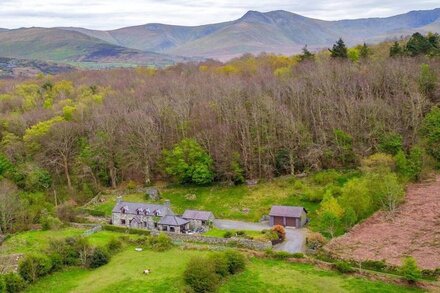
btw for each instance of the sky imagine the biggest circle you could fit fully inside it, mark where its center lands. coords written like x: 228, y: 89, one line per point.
x: 112, y: 14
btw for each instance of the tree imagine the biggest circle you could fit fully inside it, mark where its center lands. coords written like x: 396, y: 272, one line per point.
x: 364, y: 52
x: 396, y: 50
x: 306, y: 55
x: 410, y: 271
x: 385, y: 190
x: 431, y: 132
x: 339, y: 50
x: 59, y: 149
x: 356, y: 194
x: 418, y: 45
x: 330, y: 214
x: 9, y: 206
x: 427, y: 82
x: 188, y: 162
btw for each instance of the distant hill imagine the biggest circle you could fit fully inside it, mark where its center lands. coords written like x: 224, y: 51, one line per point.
x: 11, y: 67
x: 255, y: 32
x: 159, y: 44
x: 59, y: 45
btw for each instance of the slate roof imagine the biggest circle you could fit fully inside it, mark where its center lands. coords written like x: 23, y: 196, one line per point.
x: 132, y: 207
x: 172, y: 221
x: 287, y: 211
x: 197, y: 215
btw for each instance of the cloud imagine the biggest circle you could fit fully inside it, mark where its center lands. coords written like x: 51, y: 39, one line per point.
x: 110, y: 14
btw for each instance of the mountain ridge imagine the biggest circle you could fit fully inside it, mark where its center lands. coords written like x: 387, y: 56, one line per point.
x: 278, y: 31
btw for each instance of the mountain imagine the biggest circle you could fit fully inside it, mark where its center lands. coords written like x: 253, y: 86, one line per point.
x: 255, y: 32
x: 276, y: 31
x: 59, y: 45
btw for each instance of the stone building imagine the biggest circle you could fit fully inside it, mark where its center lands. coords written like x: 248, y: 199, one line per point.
x: 198, y: 219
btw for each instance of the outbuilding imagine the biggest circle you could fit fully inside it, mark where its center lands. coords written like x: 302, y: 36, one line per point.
x: 288, y: 216
x: 198, y: 219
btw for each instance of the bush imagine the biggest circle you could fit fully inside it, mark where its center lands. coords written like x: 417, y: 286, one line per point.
x: 270, y: 235
x: 343, y: 267
x: 227, y: 234
x: 281, y: 255
x: 126, y: 230
x: 220, y: 263
x: 410, y: 271
x: 14, y: 283
x: 326, y: 177
x: 162, y: 242
x: 280, y: 231
x: 2, y: 284
x: 114, y: 245
x: 375, y: 265
x: 240, y: 233
x: 315, y: 240
x: 34, y: 266
x: 236, y: 261
x: 51, y: 223
x: 98, y: 258
x: 200, y: 275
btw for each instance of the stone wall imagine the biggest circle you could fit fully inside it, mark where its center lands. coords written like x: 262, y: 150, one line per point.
x: 238, y: 242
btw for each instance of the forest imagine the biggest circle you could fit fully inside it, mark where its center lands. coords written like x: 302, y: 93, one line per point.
x: 373, y: 108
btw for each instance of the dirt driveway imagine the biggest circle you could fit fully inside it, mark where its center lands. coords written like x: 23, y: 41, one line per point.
x: 295, y: 238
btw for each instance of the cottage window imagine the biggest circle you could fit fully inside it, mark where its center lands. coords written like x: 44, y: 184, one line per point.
x: 123, y: 222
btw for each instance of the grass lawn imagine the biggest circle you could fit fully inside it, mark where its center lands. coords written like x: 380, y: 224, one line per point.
x: 228, y: 202
x: 37, y: 241
x: 215, y: 232
x: 33, y: 241
x: 124, y: 274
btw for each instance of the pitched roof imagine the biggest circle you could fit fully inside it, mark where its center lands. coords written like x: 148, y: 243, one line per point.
x: 172, y: 221
x: 132, y: 207
x: 197, y: 215
x: 287, y: 211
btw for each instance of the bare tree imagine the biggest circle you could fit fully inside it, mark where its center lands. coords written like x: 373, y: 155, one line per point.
x: 9, y: 206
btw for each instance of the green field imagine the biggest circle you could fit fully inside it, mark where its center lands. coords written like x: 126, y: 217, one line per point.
x: 124, y: 274
x: 230, y: 202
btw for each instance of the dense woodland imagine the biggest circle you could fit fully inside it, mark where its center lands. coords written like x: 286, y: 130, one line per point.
x: 71, y: 135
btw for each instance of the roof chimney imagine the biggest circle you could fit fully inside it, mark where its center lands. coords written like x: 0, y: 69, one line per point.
x: 167, y: 203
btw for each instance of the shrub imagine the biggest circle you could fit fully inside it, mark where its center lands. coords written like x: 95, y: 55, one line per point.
x: 162, y: 242
x: 375, y: 265
x: 114, y: 245
x: 126, y: 230
x: 410, y: 271
x: 34, y: 266
x: 270, y: 235
x: 343, y: 267
x: 236, y: 261
x: 220, y: 263
x: 240, y: 233
x: 2, y: 284
x: 326, y: 177
x: 227, y: 234
x: 281, y: 255
x: 200, y: 275
x: 391, y: 143
x: 14, y: 283
x: 315, y: 240
x: 50, y: 223
x: 98, y: 258
x: 280, y: 231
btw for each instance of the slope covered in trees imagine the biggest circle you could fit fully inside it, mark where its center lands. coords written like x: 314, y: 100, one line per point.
x: 70, y: 135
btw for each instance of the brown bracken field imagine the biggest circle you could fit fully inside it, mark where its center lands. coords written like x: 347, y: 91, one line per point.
x: 413, y: 230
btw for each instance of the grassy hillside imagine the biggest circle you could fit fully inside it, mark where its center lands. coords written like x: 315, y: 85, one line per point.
x: 231, y: 202
x: 69, y: 46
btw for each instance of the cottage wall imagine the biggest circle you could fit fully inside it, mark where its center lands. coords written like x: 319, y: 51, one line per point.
x: 118, y: 217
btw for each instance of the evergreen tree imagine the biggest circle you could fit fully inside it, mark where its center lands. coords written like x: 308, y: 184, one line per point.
x: 396, y: 50
x: 306, y: 55
x: 339, y: 50
x: 418, y: 45
x: 364, y: 51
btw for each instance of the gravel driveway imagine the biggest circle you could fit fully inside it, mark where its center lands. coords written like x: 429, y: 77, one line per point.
x: 295, y: 238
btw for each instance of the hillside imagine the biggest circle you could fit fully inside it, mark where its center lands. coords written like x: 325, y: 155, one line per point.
x: 69, y: 46
x: 11, y: 67
x: 255, y: 32
x: 413, y: 230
